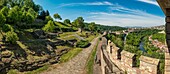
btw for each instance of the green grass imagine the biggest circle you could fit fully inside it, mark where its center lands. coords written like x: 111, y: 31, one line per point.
x: 160, y: 37
x: 38, y: 71
x: 62, y: 47
x: 90, y: 63
x: 70, y: 37
x: 66, y: 34
x: 72, y: 53
x: 13, y: 72
x: 61, y: 25
x: 90, y: 38
x: 24, y: 47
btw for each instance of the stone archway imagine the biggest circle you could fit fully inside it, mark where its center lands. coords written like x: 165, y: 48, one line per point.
x: 165, y: 5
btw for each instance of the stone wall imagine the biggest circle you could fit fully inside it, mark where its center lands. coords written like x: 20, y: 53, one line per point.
x: 126, y: 63
x: 148, y: 65
x: 167, y: 63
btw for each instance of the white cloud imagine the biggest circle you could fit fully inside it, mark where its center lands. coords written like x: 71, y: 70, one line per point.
x: 120, y: 15
x: 87, y: 4
x: 149, y: 2
x: 125, y: 17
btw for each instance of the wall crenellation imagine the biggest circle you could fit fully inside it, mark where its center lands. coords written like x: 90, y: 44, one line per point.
x: 127, y: 63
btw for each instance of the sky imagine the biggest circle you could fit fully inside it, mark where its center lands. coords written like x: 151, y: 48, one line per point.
x: 141, y: 13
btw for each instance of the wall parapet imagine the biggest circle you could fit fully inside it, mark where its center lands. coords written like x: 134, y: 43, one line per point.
x: 148, y: 65
x: 128, y: 60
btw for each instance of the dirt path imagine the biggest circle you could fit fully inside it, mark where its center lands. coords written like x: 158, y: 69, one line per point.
x: 75, y: 65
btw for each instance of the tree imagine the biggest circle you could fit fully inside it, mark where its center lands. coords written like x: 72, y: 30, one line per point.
x: 49, y: 27
x: 42, y: 15
x: 91, y: 26
x: 57, y: 16
x: 12, y: 37
x: 3, y: 3
x: 80, y: 23
x: 67, y: 21
x: 48, y: 18
x: 33, y: 13
x: 4, y: 11
x: 29, y: 3
x: 30, y: 18
x: 47, y: 13
x: 2, y: 19
x: 14, y: 15
x: 7, y: 28
x: 38, y: 8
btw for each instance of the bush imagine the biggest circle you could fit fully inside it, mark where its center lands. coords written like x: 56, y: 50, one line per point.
x: 82, y: 44
x: 7, y: 28
x: 49, y: 27
x: 11, y: 37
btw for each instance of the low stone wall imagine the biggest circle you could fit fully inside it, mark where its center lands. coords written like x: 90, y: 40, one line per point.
x: 127, y: 62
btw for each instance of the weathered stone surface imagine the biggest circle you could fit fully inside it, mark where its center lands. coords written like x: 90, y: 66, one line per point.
x: 149, y: 60
x: 116, y: 52
x: 127, y: 58
x: 148, y: 65
x: 127, y: 54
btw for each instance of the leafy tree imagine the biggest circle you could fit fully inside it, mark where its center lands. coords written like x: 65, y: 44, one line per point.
x: 57, y: 16
x: 47, y: 13
x: 4, y: 11
x: 7, y: 28
x: 67, y: 21
x: 30, y: 18
x: 48, y: 18
x: 49, y: 27
x: 79, y: 22
x: 14, y: 15
x: 38, y: 8
x: 3, y: 3
x: 29, y: 3
x: 12, y: 37
x: 91, y: 26
x: 32, y: 12
x: 42, y: 15
x: 2, y: 19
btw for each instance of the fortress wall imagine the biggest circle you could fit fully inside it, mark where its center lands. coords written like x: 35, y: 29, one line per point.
x: 127, y: 62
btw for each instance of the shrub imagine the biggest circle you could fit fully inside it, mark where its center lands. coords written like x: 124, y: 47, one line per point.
x: 12, y: 37
x: 49, y: 27
x: 82, y: 44
x: 7, y: 28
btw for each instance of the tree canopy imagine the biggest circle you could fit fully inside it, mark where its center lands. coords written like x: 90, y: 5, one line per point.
x: 57, y: 16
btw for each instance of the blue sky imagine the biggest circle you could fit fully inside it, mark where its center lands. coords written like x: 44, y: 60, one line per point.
x: 144, y: 13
